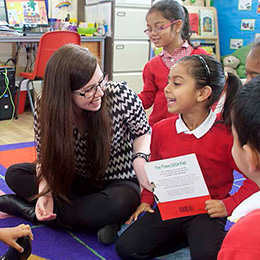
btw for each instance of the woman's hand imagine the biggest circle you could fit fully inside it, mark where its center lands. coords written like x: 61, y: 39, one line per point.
x: 143, y: 207
x: 140, y: 173
x: 10, y: 235
x: 44, y: 208
x: 216, y: 208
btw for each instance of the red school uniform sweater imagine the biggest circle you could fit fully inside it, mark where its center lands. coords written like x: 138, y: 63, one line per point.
x: 242, y: 240
x: 213, y: 151
x: 155, y: 77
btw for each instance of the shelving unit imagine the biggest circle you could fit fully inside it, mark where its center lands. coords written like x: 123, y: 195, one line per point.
x: 204, y: 40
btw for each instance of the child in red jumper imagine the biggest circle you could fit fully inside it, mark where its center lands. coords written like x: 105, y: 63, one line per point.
x: 167, y: 27
x: 242, y: 240
x: 195, y: 83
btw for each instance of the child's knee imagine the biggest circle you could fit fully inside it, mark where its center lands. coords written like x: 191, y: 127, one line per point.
x: 127, y: 249
x: 205, y: 254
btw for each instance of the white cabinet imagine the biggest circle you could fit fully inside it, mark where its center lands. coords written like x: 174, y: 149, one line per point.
x: 127, y: 46
x: 144, y: 3
x: 127, y: 50
x: 130, y: 55
x: 130, y: 23
x: 134, y: 80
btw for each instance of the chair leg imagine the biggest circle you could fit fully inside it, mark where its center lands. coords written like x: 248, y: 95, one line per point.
x: 18, y: 98
x: 29, y: 94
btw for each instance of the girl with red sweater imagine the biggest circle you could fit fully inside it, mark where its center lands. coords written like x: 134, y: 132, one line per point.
x: 195, y: 83
x: 167, y: 27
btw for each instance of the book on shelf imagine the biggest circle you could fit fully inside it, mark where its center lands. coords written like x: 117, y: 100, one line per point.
x: 194, y: 23
x: 207, y: 22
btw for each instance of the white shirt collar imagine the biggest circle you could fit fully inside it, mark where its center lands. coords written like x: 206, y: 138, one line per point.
x: 201, y: 130
x: 246, y: 206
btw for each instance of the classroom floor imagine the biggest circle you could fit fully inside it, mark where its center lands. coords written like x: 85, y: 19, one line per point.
x: 17, y: 130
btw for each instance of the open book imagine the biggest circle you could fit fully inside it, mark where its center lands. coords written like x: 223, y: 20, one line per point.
x: 178, y: 185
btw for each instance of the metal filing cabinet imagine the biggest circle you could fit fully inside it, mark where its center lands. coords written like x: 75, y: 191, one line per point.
x: 127, y: 47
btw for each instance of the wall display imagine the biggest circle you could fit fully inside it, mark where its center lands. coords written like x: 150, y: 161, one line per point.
x: 258, y: 7
x: 248, y: 24
x: 244, y: 4
x: 207, y: 22
x: 236, y: 43
x: 229, y: 22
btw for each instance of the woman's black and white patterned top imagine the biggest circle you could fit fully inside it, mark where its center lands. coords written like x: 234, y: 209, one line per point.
x: 128, y: 122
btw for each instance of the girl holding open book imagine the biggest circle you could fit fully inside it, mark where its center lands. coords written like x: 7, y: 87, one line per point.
x: 167, y: 27
x: 195, y: 84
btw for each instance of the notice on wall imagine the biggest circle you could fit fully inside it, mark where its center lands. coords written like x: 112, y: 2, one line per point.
x: 178, y: 185
x: 244, y: 4
x: 236, y: 43
x: 248, y: 24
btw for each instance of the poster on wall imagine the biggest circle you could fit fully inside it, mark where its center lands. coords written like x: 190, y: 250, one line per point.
x: 236, y: 43
x: 257, y: 36
x: 244, y: 4
x: 248, y: 24
x: 258, y: 7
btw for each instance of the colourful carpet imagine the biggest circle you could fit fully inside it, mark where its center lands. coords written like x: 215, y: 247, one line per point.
x: 57, y: 244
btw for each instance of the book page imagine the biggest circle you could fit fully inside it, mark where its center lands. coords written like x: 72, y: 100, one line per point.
x: 178, y: 182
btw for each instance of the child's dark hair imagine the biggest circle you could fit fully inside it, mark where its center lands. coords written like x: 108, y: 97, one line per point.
x: 245, y: 114
x: 206, y: 70
x: 172, y: 10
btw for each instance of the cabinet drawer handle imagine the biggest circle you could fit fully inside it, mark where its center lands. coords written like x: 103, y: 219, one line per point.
x: 120, y: 47
x: 121, y: 14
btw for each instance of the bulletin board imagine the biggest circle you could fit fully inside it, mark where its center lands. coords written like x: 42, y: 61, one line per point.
x: 239, y: 23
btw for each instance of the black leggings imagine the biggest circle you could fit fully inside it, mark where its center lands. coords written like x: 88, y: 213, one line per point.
x: 149, y: 237
x: 88, y: 208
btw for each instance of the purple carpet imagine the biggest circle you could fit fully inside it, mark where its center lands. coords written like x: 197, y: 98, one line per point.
x: 58, y: 244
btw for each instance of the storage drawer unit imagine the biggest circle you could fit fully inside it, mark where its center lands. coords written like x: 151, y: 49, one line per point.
x: 130, y: 55
x: 136, y: 3
x: 134, y: 80
x: 130, y: 23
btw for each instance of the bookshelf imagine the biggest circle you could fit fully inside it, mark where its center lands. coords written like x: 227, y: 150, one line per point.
x: 210, y: 42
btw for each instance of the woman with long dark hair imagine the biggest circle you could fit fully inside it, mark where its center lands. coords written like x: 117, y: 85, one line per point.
x: 92, y: 136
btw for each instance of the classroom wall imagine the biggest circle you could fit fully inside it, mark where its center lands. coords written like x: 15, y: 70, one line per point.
x: 229, y: 22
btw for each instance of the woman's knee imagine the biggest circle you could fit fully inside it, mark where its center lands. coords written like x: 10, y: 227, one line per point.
x: 22, y: 173
x: 10, y: 175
